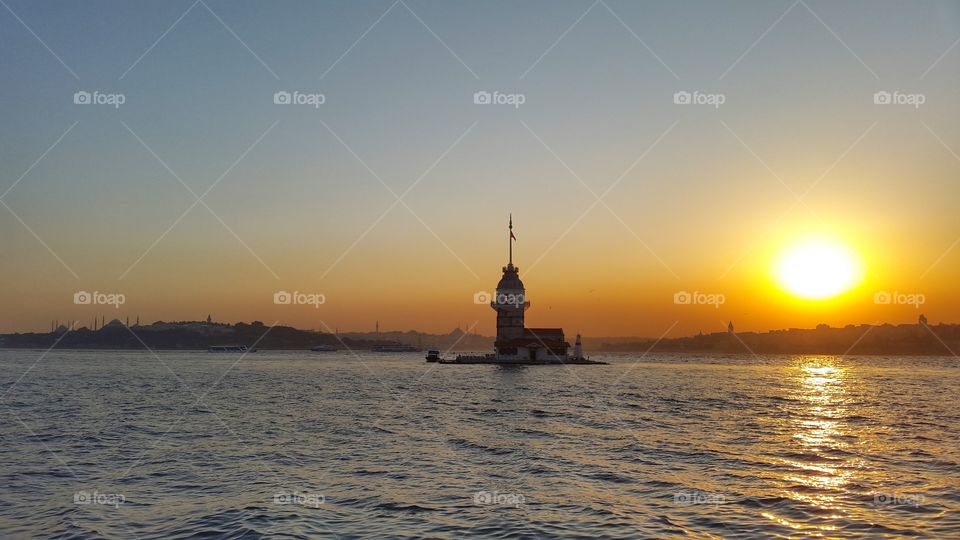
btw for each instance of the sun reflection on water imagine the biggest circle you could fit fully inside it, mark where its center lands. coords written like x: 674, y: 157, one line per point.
x: 820, y: 468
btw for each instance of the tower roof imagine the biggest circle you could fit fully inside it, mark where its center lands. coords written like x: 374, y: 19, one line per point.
x: 511, y: 278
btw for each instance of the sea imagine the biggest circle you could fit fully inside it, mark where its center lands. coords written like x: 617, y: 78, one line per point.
x: 177, y: 445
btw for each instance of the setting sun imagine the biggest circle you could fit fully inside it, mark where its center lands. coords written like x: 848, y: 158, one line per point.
x: 817, y: 269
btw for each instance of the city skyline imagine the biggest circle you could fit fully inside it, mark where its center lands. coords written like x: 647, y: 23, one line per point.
x: 372, y: 158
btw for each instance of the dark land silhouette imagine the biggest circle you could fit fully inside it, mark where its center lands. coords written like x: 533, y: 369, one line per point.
x: 884, y: 339
x: 194, y: 335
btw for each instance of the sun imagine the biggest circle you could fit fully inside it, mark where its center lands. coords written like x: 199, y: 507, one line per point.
x: 817, y: 269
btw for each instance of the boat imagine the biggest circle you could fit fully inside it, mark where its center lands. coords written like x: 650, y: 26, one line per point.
x: 230, y: 348
x: 395, y: 348
x: 323, y: 348
x: 433, y: 355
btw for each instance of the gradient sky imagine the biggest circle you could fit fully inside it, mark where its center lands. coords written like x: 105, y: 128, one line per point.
x: 713, y: 199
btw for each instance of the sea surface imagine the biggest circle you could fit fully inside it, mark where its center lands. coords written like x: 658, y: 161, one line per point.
x: 328, y: 445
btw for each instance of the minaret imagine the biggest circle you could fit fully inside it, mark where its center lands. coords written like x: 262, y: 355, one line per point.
x: 510, y: 302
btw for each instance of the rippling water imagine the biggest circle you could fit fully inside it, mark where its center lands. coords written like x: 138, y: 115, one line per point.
x: 307, y: 445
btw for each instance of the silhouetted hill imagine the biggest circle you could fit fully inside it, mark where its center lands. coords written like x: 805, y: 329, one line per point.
x: 886, y: 339
x: 185, y: 335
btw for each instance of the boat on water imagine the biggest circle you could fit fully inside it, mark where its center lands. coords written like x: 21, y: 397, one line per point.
x: 324, y: 348
x: 230, y: 349
x: 433, y: 355
x: 396, y: 348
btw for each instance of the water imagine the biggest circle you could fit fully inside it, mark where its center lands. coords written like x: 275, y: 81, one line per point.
x: 197, y: 445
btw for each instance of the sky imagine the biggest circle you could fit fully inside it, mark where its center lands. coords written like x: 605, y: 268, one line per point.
x: 198, y: 194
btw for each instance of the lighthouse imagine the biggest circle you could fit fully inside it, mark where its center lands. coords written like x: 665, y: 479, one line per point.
x: 515, y: 343
x: 510, y: 300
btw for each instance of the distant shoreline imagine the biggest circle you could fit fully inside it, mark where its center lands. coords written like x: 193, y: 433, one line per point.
x: 419, y: 353
x: 919, y: 339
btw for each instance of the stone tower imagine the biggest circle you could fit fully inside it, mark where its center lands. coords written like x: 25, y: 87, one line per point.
x: 510, y: 300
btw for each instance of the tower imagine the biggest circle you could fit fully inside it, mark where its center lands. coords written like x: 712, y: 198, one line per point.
x: 510, y: 302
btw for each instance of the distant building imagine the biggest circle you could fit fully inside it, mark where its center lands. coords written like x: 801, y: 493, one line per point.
x: 923, y: 320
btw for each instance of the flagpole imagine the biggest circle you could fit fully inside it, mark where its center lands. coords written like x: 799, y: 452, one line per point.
x: 510, y: 239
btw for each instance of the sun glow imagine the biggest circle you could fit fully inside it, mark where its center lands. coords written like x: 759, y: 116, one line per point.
x: 817, y: 269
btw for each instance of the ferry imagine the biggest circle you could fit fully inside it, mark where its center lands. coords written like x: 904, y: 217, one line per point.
x: 230, y: 348
x: 324, y: 348
x: 433, y: 355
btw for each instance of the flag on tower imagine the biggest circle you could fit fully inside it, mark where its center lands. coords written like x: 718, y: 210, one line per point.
x: 512, y: 237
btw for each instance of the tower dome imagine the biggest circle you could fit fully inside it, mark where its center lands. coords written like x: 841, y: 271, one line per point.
x: 510, y: 279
